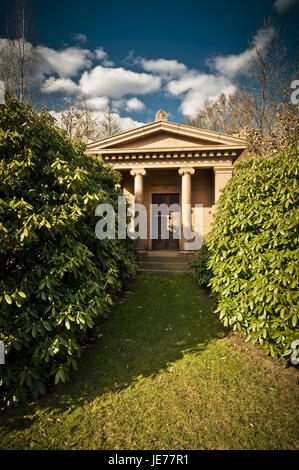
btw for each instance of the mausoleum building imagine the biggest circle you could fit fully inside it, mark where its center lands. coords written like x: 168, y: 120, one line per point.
x: 164, y: 162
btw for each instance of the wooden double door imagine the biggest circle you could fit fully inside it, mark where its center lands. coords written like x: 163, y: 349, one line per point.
x: 170, y: 243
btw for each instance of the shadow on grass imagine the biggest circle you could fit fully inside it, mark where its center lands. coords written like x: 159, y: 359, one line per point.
x: 154, y: 325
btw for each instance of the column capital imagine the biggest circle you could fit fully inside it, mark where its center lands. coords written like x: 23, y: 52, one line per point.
x: 186, y: 171
x: 138, y: 171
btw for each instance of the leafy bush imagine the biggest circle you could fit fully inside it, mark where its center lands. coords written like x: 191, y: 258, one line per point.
x: 254, y: 246
x: 199, y: 267
x: 56, y: 277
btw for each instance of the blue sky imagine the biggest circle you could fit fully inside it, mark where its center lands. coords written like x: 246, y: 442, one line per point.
x: 146, y: 55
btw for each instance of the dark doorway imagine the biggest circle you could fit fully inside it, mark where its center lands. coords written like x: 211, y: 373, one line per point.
x: 170, y: 243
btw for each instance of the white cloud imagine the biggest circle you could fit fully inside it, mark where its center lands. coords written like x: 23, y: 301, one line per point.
x: 230, y: 65
x: 118, y: 104
x: 129, y: 105
x: 66, y: 62
x: 66, y: 85
x: 130, y: 58
x: 164, y: 67
x: 194, y: 88
x: 117, y: 82
x: 284, y: 5
x: 75, y: 70
x: 134, y: 104
x: 103, y: 57
x: 80, y: 38
x: 98, y: 103
x: 127, y: 123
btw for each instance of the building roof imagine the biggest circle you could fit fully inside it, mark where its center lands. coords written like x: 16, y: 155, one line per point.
x: 162, y: 135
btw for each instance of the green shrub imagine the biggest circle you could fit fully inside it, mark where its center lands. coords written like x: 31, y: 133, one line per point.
x: 199, y: 267
x: 56, y: 277
x: 254, y: 246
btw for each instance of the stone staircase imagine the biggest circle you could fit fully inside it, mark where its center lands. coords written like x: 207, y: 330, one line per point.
x: 164, y: 262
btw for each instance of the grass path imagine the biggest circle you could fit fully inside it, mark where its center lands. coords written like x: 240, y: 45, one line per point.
x: 164, y: 375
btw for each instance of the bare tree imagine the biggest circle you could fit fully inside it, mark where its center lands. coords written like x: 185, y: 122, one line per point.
x: 78, y: 121
x: 260, y: 109
x: 264, y: 81
x: 83, y: 123
x: 264, y: 96
x: 18, y: 58
x: 284, y: 132
x: 110, y: 124
x: 222, y: 115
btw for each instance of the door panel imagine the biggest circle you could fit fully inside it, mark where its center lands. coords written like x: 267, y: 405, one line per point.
x: 170, y: 243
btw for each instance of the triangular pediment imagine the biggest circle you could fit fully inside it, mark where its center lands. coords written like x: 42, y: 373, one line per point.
x: 167, y: 136
x: 163, y: 140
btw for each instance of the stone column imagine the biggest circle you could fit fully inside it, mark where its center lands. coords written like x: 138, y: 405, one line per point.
x: 222, y: 176
x: 186, y: 199
x: 138, y: 174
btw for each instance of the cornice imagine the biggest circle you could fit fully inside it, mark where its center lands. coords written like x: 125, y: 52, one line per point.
x: 215, y: 138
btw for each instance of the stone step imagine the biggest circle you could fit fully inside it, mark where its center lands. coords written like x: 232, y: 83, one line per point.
x: 163, y: 266
x: 164, y: 260
x: 161, y: 272
x: 187, y: 255
x: 167, y: 259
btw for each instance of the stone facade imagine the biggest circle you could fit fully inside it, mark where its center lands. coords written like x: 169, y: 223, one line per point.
x: 164, y: 158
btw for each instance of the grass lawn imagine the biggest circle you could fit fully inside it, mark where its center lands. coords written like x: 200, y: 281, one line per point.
x: 164, y: 375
